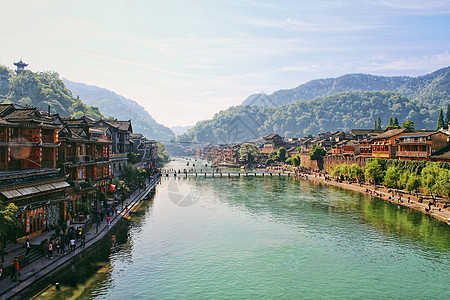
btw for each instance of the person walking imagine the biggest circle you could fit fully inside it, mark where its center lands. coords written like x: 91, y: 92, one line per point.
x: 50, y: 249
x: 58, y: 247
x: 72, y: 245
x: 108, y: 221
x: 67, y: 243
x: 27, y: 247
x: 83, y: 240
x: 15, y: 274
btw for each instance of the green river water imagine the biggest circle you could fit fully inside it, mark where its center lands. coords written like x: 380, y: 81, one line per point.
x: 270, y: 238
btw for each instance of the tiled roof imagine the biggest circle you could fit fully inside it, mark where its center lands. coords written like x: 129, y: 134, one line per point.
x: 271, y: 136
x: 121, y: 125
x: 21, y: 114
x: 365, y: 131
x: 15, y: 179
x: 419, y: 133
x: 389, y: 133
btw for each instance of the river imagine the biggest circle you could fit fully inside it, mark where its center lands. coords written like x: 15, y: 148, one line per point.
x: 271, y: 237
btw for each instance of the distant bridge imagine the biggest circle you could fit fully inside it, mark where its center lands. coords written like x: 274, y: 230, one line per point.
x: 222, y: 174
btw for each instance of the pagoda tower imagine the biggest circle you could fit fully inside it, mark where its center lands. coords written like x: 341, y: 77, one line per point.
x: 20, y: 66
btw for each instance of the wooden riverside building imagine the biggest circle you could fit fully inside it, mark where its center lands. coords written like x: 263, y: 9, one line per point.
x: 28, y: 174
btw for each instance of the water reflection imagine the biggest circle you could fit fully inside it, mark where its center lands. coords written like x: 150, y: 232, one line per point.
x: 276, y: 237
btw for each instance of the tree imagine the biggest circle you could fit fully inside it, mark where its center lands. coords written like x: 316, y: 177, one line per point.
x: 269, y: 162
x: 355, y: 171
x: 413, y: 183
x: 391, y: 122
x: 161, y: 155
x: 374, y: 170
x: 282, y: 154
x: 295, y: 160
x: 395, y: 123
x: 8, y: 221
x: 317, y: 153
x: 429, y: 176
x: 273, y: 155
x: 392, y: 177
x: 443, y: 182
x: 379, y: 124
x: 248, y: 152
x: 440, y: 122
x: 409, y: 125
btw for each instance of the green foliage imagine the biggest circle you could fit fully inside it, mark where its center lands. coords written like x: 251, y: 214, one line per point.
x: 374, y: 170
x: 134, y: 157
x: 273, y: 155
x: 378, y: 124
x: 443, y: 182
x: 392, y: 177
x: 413, y: 182
x: 432, y: 88
x: 294, y: 161
x: 8, y: 220
x: 342, y: 111
x: 282, y: 154
x: 440, y: 122
x: 396, y: 122
x: 353, y: 171
x: 317, y: 153
x: 269, y: 161
x: 8, y: 215
x: 44, y: 89
x: 162, y: 157
x: 248, y: 152
x: 409, y: 125
x: 430, y: 175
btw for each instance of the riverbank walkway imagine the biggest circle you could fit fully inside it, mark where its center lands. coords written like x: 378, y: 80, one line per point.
x: 383, y: 193
x: 40, y: 265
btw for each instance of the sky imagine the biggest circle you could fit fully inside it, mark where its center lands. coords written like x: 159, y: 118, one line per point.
x: 184, y: 61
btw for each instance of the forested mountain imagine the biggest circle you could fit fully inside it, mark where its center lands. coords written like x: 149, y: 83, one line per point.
x: 44, y: 89
x: 433, y: 88
x: 341, y: 111
x: 117, y: 106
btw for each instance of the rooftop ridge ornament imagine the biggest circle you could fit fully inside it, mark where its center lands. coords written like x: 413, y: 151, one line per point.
x: 20, y: 66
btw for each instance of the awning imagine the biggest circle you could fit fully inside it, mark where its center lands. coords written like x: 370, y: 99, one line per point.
x: 60, y: 184
x: 11, y: 194
x: 28, y: 190
x: 45, y: 187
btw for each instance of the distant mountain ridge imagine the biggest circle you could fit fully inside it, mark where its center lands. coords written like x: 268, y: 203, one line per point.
x: 112, y: 104
x: 434, y: 86
x: 180, y: 129
x: 339, y: 112
x: 342, y: 103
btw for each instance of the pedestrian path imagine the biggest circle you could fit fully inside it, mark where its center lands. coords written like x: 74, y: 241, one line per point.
x: 42, y: 265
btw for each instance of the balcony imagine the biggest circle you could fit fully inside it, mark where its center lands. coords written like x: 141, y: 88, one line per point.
x: 412, y: 153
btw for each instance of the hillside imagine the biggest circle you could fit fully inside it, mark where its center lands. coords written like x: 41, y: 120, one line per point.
x: 112, y: 104
x: 342, y: 111
x: 433, y: 88
x: 180, y: 129
x: 44, y: 90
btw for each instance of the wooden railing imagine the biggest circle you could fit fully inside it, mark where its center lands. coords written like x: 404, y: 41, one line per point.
x: 412, y: 153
